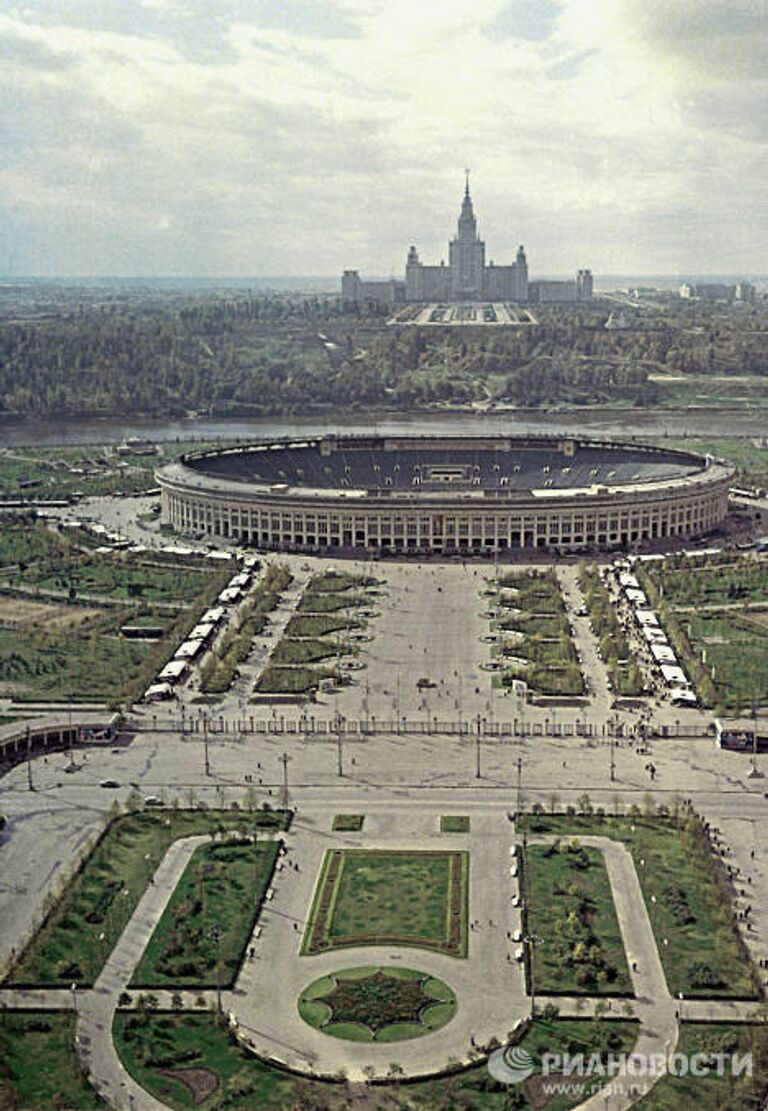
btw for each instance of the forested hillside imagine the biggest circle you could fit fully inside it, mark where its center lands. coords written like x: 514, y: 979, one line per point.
x: 277, y: 355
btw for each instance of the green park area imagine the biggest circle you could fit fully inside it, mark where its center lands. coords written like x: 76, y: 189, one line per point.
x: 570, y: 910
x: 114, y: 576
x: 715, y: 612
x: 178, y: 1057
x: 716, y: 1090
x: 381, y: 897
x: 63, y: 614
x: 189, y: 1060
x: 25, y: 540
x: 625, y: 675
x: 375, y: 1004
x: 39, y: 1069
x: 91, y: 662
x: 85, y: 919
x: 454, y: 823
x: 321, y: 630
x: 749, y: 456
x: 687, y: 894
x: 533, y: 635
x: 204, y: 930
x: 67, y: 472
x: 297, y: 681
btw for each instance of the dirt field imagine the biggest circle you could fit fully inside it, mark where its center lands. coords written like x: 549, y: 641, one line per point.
x: 18, y: 613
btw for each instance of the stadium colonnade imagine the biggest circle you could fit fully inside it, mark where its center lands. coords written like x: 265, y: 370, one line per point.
x: 444, y: 495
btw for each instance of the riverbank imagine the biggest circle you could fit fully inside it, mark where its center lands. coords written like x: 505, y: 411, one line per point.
x: 680, y: 423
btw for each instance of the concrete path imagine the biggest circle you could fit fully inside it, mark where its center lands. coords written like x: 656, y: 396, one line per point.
x: 96, y: 1008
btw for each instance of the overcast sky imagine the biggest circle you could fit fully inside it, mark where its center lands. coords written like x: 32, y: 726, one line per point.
x: 299, y: 137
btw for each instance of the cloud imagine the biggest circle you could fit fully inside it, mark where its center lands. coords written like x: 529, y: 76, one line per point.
x: 193, y: 136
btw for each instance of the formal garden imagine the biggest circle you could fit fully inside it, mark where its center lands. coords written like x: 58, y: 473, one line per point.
x: 532, y: 634
x: 84, y: 920
x: 323, y: 638
x: 687, y: 891
x: 390, y: 897
x: 377, y: 1004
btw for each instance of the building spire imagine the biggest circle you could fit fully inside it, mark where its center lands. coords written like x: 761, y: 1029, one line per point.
x: 466, y: 182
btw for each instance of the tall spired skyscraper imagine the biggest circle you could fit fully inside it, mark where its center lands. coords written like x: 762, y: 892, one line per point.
x: 466, y: 277
x: 467, y: 254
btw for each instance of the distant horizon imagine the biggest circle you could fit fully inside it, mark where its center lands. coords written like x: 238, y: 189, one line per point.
x: 628, y: 278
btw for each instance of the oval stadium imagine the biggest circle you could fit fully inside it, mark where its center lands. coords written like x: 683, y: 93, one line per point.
x: 469, y: 495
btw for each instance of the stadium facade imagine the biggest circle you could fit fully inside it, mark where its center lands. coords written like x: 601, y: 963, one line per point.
x: 448, y: 495
x: 467, y: 277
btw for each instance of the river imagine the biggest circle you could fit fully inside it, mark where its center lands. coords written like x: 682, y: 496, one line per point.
x: 615, y: 422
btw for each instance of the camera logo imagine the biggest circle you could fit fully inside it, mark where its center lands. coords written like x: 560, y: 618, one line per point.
x: 511, y: 1064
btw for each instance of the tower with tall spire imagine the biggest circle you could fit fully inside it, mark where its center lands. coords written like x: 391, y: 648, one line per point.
x: 466, y: 277
x: 467, y: 254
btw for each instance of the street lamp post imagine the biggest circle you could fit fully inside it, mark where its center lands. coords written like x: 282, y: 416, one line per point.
x: 339, y: 750
x: 284, y: 760
x: 754, y: 772
x: 519, y: 784
x: 205, y: 745
x: 30, y: 784
x: 613, y: 746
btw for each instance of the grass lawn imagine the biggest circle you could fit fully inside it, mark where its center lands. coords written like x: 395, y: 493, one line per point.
x: 292, y: 680
x: 104, y: 893
x: 26, y: 540
x: 713, y: 1092
x: 569, y: 907
x: 119, y: 577
x: 371, y: 897
x: 321, y: 625
x: 334, y: 582
x: 88, y: 663
x: 324, y: 602
x: 454, y: 823
x: 377, y: 1004
x: 39, y: 1069
x: 290, y: 651
x: 686, y: 900
x: 348, y: 823
x: 721, y: 582
x: 737, y: 647
x: 223, y: 886
x: 152, y: 1042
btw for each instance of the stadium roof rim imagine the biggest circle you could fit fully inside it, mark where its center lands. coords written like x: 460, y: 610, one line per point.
x: 188, y: 474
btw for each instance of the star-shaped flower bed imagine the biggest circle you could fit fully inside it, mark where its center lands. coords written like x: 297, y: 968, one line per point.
x: 404, y: 1003
x: 377, y: 1001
